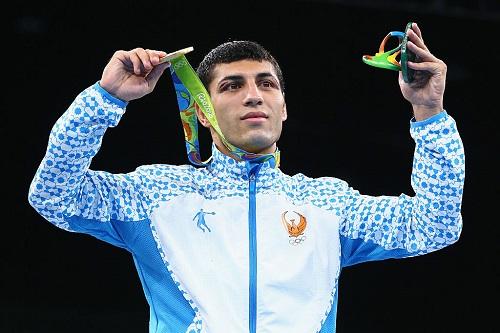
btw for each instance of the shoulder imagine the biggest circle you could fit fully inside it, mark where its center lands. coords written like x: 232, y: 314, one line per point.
x: 304, y: 180
x: 305, y: 186
x: 162, y: 182
x: 170, y: 173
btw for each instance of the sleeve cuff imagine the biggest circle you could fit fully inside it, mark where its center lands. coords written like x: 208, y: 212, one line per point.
x: 440, y: 115
x: 109, y: 97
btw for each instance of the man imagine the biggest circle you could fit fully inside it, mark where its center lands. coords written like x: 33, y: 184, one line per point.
x: 276, y: 243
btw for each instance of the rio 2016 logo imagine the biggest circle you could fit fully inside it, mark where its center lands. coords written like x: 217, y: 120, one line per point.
x: 181, y: 63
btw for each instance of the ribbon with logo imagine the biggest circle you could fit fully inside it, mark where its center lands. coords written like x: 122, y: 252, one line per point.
x: 192, y: 95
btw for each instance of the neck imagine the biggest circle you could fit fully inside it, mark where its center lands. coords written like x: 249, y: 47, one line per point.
x: 224, y: 150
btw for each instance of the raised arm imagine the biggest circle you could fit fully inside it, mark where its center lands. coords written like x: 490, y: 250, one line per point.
x: 383, y: 227
x: 376, y: 228
x: 64, y: 190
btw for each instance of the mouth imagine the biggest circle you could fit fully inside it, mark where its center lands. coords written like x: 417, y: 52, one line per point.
x: 254, y: 116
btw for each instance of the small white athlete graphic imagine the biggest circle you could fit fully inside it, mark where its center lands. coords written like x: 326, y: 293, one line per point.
x: 201, y: 220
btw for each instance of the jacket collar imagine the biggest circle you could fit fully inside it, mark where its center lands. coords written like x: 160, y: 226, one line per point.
x: 224, y: 166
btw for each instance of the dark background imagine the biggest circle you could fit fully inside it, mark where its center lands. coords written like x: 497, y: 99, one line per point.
x: 346, y: 119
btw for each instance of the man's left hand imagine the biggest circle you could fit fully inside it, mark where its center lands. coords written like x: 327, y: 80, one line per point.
x: 426, y: 92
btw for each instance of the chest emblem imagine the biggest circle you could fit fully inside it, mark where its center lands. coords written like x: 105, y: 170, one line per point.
x: 294, y: 224
x: 201, y: 223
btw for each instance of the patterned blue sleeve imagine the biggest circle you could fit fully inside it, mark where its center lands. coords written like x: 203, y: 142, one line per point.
x: 66, y: 192
x: 376, y: 228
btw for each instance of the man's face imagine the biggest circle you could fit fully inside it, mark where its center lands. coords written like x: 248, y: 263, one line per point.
x: 249, y: 105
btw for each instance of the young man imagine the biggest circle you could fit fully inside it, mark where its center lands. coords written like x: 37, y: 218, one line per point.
x: 212, y: 245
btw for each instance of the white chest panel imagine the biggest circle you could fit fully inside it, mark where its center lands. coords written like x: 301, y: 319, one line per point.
x: 208, y: 254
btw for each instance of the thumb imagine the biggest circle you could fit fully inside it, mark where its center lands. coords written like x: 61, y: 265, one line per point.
x: 401, y: 81
x: 156, y: 73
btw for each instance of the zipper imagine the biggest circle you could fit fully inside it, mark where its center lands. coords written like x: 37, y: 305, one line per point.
x: 252, y: 286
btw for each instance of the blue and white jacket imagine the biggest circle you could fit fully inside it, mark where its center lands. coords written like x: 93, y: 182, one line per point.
x: 237, y: 247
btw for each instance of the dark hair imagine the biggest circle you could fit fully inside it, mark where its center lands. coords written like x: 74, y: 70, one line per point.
x: 234, y: 51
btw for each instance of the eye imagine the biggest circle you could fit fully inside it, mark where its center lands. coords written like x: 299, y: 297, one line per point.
x: 233, y: 86
x: 230, y: 86
x: 267, y: 84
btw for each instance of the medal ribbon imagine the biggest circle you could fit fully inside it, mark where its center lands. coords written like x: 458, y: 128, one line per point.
x: 192, y: 95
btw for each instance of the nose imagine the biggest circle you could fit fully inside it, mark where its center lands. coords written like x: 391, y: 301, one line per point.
x: 253, y: 97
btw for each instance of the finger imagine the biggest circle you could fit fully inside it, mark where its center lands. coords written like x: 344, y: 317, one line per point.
x: 155, y: 56
x: 156, y: 73
x: 429, y: 66
x: 413, y: 37
x: 144, y: 57
x: 400, y: 78
x: 136, y: 61
x: 417, y: 30
x: 121, y: 56
x: 421, y: 53
x: 136, y: 58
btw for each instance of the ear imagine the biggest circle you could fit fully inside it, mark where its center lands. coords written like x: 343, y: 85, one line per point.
x: 201, y: 117
x: 284, y: 114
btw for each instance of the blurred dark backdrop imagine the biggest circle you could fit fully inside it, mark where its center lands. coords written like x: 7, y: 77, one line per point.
x: 346, y: 119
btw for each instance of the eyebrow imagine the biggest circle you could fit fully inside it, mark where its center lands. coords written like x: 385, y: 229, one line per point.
x: 240, y: 77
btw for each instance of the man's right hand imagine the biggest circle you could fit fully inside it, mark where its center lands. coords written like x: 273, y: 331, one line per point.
x: 132, y: 74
